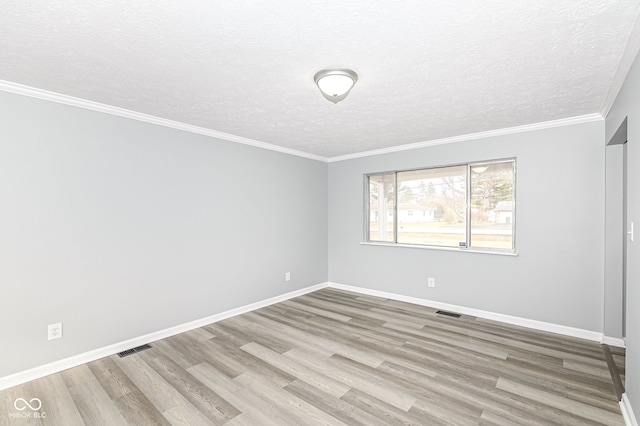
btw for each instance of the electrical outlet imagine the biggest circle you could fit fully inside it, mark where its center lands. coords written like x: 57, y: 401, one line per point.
x: 287, y: 276
x: 431, y: 282
x: 55, y: 331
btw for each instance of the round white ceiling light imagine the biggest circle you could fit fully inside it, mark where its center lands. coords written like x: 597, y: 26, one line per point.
x: 335, y: 84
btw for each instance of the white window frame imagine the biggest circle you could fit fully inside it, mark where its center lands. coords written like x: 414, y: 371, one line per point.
x: 471, y: 249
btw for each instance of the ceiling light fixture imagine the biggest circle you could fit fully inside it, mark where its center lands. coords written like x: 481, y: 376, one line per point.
x: 335, y: 84
x: 479, y: 169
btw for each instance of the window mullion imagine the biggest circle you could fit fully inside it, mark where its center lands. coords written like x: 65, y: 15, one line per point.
x: 468, y: 221
x: 395, y: 208
x: 367, y: 209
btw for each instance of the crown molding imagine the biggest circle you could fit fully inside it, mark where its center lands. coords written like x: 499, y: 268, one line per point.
x: 46, y: 95
x: 472, y: 136
x: 628, y: 56
x: 33, y: 92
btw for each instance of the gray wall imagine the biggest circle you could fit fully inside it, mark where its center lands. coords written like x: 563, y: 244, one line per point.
x: 120, y: 228
x: 627, y: 105
x: 559, y: 273
x: 614, y: 227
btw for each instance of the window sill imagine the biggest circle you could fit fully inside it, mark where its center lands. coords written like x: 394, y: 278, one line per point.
x: 461, y: 249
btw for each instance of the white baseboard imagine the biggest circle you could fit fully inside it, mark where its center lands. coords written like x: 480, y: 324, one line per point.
x: 83, y: 358
x: 524, y: 322
x: 627, y: 411
x: 614, y: 341
x: 64, y: 364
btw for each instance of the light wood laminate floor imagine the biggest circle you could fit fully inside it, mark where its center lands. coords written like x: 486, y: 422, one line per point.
x: 333, y: 357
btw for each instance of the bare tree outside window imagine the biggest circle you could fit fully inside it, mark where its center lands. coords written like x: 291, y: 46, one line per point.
x: 444, y: 223
x: 492, y: 205
x: 381, y: 207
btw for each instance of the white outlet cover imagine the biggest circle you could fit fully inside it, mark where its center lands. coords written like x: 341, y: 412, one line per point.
x: 55, y: 331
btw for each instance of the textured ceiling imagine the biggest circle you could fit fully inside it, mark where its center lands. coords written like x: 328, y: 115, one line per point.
x: 427, y: 70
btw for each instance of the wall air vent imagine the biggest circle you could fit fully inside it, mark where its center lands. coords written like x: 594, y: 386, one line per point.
x: 133, y: 350
x: 449, y: 314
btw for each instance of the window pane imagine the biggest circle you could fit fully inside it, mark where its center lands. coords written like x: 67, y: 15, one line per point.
x: 381, y: 196
x: 492, y: 205
x: 432, y: 206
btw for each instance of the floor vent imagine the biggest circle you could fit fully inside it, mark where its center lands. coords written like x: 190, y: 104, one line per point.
x: 449, y: 314
x: 133, y: 351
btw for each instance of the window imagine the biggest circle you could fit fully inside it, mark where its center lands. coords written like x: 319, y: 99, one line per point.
x: 381, y: 195
x: 465, y: 206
